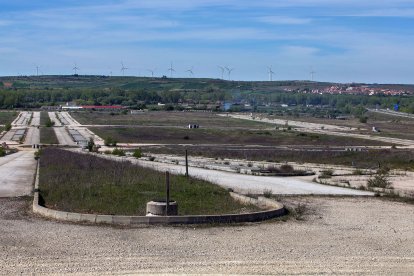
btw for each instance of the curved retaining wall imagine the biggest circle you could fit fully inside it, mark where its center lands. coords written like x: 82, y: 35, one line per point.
x: 274, y: 209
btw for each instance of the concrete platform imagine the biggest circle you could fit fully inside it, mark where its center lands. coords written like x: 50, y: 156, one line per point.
x: 17, y: 174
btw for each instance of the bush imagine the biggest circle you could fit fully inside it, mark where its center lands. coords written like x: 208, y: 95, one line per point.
x: 49, y: 123
x: 8, y: 126
x: 326, y: 173
x: 379, y: 181
x: 286, y: 168
x: 110, y: 142
x: 137, y: 153
x: 118, y: 152
x: 363, y: 119
x: 267, y: 193
x: 91, y: 144
x: 358, y: 172
x: 2, y: 152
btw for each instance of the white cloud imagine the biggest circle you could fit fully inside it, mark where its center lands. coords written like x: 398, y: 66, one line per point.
x: 284, y: 20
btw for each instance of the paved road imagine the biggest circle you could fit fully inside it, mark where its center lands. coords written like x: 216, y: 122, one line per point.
x: 16, y: 174
x: 36, y: 119
x: 53, y: 118
x: 32, y: 136
x: 63, y: 136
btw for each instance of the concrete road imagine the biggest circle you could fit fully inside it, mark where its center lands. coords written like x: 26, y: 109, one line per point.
x: 16, y: 174
x: 251, y: 183
x: 392, y: 113
x: 36, y: 119
x: 72, y: 122
x: 32, y: 136
x: 327, y: 129
x: 22, y: 119
x: 63, y: 136
x: 53, y: 118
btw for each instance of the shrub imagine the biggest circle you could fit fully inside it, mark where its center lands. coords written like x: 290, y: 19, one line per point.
x: 118, y: 152
x: 91, y: 144
x: 383, y: 170
x: 379, y: 181
x: 267, y: 193
x: 2, y: 152
x: 363, y: 119
x: 326, y: 173
x: 49, y: 123
x: 358, y: 172
x: 152, y: 158
x: 8, y: 126
x: 110, y: 142
x: 286, y: 168
x: 137, y: 153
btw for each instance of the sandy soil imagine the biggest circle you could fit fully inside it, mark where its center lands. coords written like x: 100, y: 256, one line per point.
x: 336, y: 236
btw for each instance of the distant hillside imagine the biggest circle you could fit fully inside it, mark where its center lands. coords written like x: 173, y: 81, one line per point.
x: 198, y: 93
x: 134, y: 83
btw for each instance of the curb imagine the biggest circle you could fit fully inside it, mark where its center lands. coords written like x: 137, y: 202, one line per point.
x: 274, y: 210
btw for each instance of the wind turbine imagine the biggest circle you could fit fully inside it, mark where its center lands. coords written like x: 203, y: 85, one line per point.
x: 75, y: 68
x: 229, y: 70
x: 312, y: 73
x: 222, y: 71
x: 171, y: 69
x: 37, y: 70
x: 152, y: 72
x: 270, y: 73
x: 190, y: 71
x: 123, y: 68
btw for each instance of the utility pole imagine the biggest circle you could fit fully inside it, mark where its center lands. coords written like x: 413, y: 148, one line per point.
x: 186, y: 163
x: 167, y: 186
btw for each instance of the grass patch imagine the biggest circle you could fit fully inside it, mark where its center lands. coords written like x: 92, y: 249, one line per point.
x: 394, y: 159
x: 176, y: 135
x: 164, y: 118
x: 84, y: 183
x: 48, y: 136
x: 7, y: 117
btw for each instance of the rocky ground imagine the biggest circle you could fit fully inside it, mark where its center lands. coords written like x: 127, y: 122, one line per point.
x: 330, y: 235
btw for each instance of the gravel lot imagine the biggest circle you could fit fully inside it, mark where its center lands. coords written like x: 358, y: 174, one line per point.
x: 338, y: 235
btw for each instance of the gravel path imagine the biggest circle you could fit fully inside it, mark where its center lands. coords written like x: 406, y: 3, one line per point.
x: 337, y: 236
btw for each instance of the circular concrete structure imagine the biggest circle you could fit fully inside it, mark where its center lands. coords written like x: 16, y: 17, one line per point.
x: 158, y: 208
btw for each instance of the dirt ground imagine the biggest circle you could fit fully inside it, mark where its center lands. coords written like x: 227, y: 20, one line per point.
x: 334, y: 236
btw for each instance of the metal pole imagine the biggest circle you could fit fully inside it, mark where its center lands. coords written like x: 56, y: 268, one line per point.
x: 167, y: 184
x: 186, y: 163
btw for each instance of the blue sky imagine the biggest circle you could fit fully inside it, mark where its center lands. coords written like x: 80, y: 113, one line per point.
x: 345, y: 41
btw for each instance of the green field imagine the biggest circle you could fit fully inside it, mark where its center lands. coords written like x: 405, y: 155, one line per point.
x: 84, y: 183
x: 213, y: 136
x: 389, y: 126
x: 7, y: 116
x: 392, y: 158
x: 162, y: 118
x: 48, y: 136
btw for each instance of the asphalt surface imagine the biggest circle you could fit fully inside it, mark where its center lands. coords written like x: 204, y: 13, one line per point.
x: 17, y: 174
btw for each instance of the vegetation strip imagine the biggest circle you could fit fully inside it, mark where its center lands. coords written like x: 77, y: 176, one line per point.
x: 77, y: 182
x: 275, y: 209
